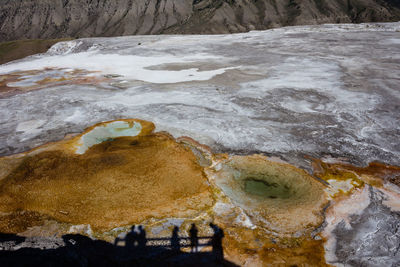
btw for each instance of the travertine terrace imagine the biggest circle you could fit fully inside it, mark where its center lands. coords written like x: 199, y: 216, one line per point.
x: 286, y: 138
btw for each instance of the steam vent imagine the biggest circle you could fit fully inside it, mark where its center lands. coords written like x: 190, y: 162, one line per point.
x: 266, y: 148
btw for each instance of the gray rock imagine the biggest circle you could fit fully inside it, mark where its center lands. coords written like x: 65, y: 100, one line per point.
x: 30, y: 19
x: 374, y: 237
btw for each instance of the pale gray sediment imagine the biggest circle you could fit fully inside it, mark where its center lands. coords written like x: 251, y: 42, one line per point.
x: 320, y: 91
x: 373, y: 238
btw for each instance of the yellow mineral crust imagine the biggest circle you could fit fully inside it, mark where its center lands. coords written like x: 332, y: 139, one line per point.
x: 345, y: 178
x: 277, y: 196
x: 256, y: 250
x: 119, y: 181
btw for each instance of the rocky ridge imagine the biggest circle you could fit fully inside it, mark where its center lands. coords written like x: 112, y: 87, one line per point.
x: 47, y: 19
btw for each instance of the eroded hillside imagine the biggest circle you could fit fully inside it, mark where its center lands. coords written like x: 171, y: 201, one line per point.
x: 45, y: 19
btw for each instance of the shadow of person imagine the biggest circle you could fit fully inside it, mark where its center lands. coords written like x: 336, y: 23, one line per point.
x: 141, y: 238
x: 131, y: 239
x: 194, y: 239
x: 11, y: 238
x: 82, y: 250
x: 216, y: 242
x: 175, y: 241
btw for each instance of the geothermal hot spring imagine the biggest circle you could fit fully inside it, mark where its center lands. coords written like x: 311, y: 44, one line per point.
x: 288, y: 139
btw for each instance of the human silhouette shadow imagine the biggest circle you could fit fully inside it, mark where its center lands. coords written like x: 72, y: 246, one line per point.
x: 138, y: 250
x: 175, y: 242
x: 216, y: 242
x: 11, y: 238
x: 194, y: 239
x: 141, y: 238
x: 130, y: 239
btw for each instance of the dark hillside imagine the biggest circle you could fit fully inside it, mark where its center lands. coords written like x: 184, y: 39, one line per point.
x: 51, y: 19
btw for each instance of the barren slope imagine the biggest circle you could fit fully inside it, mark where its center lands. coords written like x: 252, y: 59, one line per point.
x: 28, y: 19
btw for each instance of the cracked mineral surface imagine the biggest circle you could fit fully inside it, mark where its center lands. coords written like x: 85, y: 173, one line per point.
x: 377, y: 224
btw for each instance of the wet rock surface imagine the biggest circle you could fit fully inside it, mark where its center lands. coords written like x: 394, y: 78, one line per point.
x: 287, y: 92
x: 372, y: 238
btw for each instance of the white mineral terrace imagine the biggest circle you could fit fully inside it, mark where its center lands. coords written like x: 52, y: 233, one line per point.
x: 314, y: 90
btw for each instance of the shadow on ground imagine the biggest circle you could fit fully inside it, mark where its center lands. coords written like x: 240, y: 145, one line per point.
x: 135, y: 249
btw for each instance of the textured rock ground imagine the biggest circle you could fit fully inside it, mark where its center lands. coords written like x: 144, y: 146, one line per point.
x: 321, y: 97
x: 109, y: 185
x: 20, y: 19
x: 132, y: 176
x: 323, y: 91
x: 372, y: 239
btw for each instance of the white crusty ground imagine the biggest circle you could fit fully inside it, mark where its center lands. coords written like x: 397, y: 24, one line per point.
x: 318, y: 90
x: 341, y: 212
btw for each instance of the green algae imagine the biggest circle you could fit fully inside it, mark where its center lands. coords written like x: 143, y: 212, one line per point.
x: 262, y: 188
x: 276, y: 196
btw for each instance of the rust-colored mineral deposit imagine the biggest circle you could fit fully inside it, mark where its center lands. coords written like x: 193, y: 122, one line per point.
x: 116, y: 182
